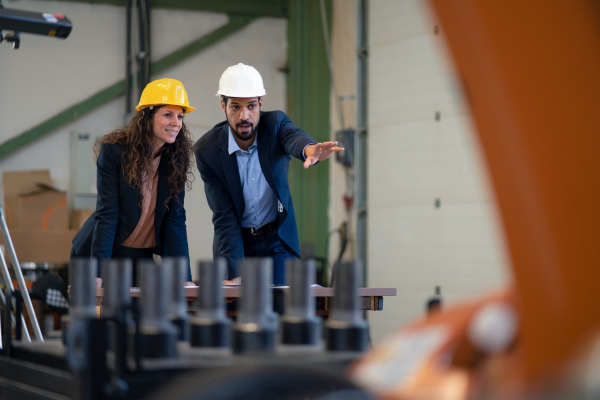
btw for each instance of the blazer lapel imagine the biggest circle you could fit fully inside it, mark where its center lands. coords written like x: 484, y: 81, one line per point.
x: 162, y: 190
x: 232, y: 174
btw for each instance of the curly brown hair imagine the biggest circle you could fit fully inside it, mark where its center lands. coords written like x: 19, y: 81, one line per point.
x: 138, y: 152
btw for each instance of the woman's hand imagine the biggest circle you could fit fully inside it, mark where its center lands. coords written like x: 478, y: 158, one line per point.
x: 233, y: 282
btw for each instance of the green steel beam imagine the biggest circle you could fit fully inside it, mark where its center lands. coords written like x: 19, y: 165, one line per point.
x: 236, y: 22
x: 264, y: 8
x: 61, y: 118
x: 109, y: 2
x: 308, y: 99
x: 261, y: 8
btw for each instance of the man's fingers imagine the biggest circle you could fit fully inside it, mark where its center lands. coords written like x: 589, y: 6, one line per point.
x: 312, y: 160
x: 330, y: 143
x: 330, y: 146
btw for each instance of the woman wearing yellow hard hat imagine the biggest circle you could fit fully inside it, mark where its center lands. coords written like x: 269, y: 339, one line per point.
x: 143, y: 170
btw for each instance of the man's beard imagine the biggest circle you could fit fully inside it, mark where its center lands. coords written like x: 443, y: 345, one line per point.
x: 243, y: 136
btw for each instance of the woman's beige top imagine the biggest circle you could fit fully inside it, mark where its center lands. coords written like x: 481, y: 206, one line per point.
x: 143, y: 236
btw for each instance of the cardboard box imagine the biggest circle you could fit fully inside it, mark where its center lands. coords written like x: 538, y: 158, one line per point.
x: 78, y: 218
x: 41, y: 246
x: 32, y: 203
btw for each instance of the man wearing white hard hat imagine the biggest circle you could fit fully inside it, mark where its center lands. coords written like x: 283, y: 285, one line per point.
x: 244, y: 163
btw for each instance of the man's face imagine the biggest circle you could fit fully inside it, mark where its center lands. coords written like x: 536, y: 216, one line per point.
x: 243, y: 115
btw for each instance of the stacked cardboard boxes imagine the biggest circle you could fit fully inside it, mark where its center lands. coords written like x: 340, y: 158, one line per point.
x: 37, y: 217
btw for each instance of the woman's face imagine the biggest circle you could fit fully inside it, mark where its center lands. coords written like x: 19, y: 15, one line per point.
x: 166, y: 124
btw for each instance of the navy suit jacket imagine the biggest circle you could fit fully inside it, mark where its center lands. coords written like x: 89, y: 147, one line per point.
x: 278, y: 139
x: 118, y: 212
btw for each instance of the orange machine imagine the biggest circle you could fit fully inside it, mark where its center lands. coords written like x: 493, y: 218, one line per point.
x: 531, y: 72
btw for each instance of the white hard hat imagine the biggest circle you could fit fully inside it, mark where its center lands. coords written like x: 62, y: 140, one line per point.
x: 241, y: 81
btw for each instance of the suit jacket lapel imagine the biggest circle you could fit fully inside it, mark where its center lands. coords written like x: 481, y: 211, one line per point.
x: 162, y: 190
x: 230, y: 169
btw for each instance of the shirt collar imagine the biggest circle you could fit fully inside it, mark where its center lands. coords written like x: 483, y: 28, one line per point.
x: 232, y: 145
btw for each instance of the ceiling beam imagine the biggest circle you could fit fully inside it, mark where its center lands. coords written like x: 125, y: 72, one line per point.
x: 257, y: 8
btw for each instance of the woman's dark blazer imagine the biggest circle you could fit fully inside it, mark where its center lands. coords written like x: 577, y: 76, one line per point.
x: 118, y: 212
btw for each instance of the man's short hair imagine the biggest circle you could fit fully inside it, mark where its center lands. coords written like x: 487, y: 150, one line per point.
x: 225, y: 98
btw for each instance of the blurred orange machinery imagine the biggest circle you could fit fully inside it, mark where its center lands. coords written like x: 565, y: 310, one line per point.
x: 531, y: 72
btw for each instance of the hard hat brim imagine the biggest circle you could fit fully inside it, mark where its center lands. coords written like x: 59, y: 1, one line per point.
x: 186, y: 109
x: 241, y: 95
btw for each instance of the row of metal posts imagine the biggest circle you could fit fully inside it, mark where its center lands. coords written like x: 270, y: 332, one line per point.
x: 153, y: 328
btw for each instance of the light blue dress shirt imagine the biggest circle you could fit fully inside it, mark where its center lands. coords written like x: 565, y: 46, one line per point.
x: 261, y: 202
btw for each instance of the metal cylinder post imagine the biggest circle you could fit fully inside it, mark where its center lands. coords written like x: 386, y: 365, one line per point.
x: 117, y: 276
x: 210, y: 327
x: 300, y: 325
x: 256, y: 328
x: 178, y: 309
x: 346, y: 329
x: 82, y: 276
x: 157, y: 336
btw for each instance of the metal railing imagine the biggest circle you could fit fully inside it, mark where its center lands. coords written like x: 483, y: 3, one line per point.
x: 20, y: 280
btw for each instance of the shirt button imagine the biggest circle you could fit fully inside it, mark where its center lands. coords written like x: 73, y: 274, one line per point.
x: 256, y: 198
x: 252, y: 178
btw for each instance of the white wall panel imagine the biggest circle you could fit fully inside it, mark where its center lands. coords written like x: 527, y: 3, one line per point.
x: 172, y: 29
x: 408, y: 81
x: 46, y: 74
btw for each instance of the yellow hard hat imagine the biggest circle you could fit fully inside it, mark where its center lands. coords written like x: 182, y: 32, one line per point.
x: 165, y: 91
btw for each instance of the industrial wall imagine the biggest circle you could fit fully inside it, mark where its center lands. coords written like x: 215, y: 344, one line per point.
x: 432, y: 217
x: 47, y: 75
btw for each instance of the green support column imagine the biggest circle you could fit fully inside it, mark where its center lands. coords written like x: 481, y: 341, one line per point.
x: 308, y: 99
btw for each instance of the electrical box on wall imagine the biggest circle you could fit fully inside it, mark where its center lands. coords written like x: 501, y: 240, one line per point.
x: 82, y: 171
x: 345, y: 139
